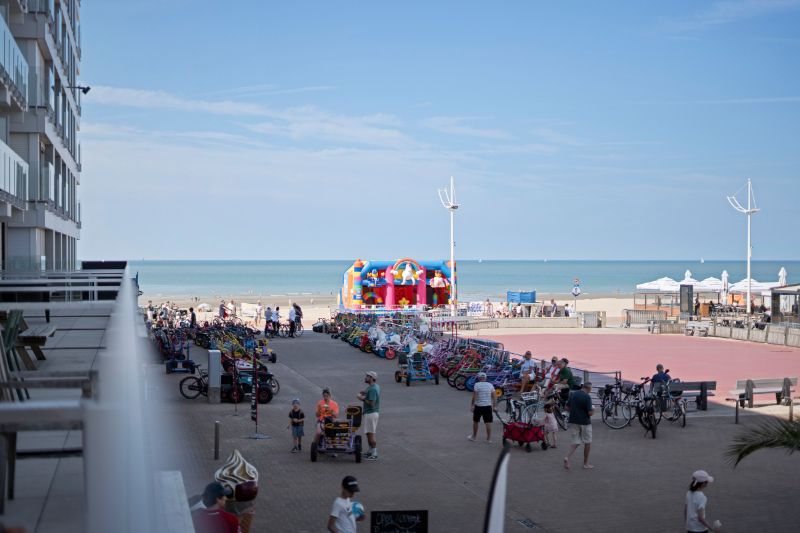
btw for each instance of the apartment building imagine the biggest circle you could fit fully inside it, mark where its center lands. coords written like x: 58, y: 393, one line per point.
x: 40, y: 110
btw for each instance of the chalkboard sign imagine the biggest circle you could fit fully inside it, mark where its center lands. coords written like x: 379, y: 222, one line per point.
x: 398, y: 522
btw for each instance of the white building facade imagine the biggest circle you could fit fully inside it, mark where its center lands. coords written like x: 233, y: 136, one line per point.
x: 40, y: 110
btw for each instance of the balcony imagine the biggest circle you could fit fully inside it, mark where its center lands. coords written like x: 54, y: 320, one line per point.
x: 13, y: 177
x: 13, y: 67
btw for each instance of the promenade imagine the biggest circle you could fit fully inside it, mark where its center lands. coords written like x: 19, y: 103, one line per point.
x: 638, y: 483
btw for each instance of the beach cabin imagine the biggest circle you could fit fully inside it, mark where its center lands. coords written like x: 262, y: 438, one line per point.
x: 785, y: 304
x: 400, y: 284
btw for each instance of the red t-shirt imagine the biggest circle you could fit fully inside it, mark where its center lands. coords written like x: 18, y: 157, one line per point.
x: 215, y: 521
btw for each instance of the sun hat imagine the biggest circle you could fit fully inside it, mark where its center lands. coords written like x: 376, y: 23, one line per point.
x: 350, y: 483
x: 373, y: 375
x: 701, y: 476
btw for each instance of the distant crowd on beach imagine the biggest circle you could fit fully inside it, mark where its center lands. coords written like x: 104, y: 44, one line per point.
x: 542, y: 309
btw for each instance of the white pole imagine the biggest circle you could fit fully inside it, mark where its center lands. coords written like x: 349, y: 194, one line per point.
x: 749, y: 246
x: 453, y: 251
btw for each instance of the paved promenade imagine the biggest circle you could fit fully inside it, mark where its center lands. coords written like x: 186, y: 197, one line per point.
x: 638, y: 484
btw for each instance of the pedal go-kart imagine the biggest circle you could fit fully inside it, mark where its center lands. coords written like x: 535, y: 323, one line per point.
x: 415, y: 368
x: 339, y: 436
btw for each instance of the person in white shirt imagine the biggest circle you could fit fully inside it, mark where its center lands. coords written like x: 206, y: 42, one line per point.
x: 259, y: 312
x: 482, y: 405
x: 551, y: 374
x: 292, y: 322
x: 342, y: 518
x: 567, y: 310
x: 695, y: 508
x: 268, y: 322
x: 276, y: 320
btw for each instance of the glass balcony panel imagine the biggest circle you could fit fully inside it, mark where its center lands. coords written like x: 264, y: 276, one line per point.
x: 13, y: 63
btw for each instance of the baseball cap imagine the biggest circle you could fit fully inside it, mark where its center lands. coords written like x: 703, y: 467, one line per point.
x: 296, y: 401
x: 481, y: 374
x: 215, y: 491
x: 350, y: 483
x: 566, y: 361
x: 373, y: 375
x: 701, y: 476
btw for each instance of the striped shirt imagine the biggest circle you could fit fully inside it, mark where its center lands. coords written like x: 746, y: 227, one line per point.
x: 483, y: 393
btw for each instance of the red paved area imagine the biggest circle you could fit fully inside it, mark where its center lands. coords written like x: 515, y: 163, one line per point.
x: 688, y: 358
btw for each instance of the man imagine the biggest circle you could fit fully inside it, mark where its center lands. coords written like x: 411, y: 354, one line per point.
x: 276, y: 321
x: 659, y: 384
x: 660, y: 376
x: 697, y: 305
x: 292, y: 323
x: 192, y: 318
x: 259, y: 312
x: 565, y: 376
x: 580, y: 412
x: 223, y: 312
x: 482, y: 405
x: 214, y: 519
x: 567, y: 310
x: 342, y: 519
x: 372, y: 406
x: 268, y: 322
x: 553, y: 307
x: 527, y: 370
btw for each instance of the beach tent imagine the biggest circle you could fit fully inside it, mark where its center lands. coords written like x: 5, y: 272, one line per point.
x: 664, y: 284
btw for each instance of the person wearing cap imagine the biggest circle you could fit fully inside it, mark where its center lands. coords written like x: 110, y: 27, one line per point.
x: 213, y: 518
x: 371, y: 397
x: 526, y: 370
x: 342, y: 519
x: 580, y: 421
x: 482, y: 406
x: 296, y: 420
x: 695, y: 508
x: 551, y: 374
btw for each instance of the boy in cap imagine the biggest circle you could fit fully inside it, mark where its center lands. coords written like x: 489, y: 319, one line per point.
x: 371, y: 397
x: 296, y: 420
x: 214, y: 519
x: 342, y: 519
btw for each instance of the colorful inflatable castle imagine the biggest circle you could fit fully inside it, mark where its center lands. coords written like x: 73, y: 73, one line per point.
x: 396, y: 285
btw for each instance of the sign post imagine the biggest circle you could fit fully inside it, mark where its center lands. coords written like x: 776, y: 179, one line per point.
x: 254, y: 401
x: 576, y: 291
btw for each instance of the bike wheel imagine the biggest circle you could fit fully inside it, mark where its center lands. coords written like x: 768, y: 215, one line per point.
x: 273, y: 383
x: 460, y: 382
x: 191, y: 387
x: 528, y: 414
x: 653, y: 423
x: 298, y: 332
x: 560, y: 418
x: 504, y: 411
x: 616, y: 414
x: 682, y: 407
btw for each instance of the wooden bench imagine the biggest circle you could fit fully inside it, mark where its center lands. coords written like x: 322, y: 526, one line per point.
x: 28, y: 337
x: 699, y: 390
x: 746, y: 389
x: 701, y: 328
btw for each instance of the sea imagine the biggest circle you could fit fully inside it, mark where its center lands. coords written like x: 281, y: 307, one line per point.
x: 477, y: 279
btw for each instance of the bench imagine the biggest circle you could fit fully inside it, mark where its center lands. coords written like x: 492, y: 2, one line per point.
x: 700, y: 328
x: 39, y: 416
x: 27, y: 337
x: 699, y: 390
x: 747, y: 388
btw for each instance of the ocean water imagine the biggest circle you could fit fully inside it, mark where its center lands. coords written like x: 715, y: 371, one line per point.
x: 476, y: 279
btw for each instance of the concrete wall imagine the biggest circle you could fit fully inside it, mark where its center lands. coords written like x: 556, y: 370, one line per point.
x: 542, y: 322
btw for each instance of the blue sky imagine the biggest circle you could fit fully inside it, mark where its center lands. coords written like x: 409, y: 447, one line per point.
x: 597, y: 130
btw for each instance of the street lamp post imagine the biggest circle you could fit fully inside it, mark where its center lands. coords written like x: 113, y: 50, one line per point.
x: 749, y: 211
x: 448, y: 199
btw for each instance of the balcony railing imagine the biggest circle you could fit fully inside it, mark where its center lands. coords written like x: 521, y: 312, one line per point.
x: 13, y: 177
x: 13, y: 67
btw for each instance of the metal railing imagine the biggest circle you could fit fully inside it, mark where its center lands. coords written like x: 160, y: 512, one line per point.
x: 13, y: 176
x: 13, y: 66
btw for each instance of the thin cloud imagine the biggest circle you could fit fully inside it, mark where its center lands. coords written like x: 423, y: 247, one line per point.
x: 729, y: 12
x: 730, y: 101
x: 457, y: 126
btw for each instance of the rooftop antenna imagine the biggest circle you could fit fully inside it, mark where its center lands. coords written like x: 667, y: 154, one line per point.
x: 449, y: 202
x: 749, y: 211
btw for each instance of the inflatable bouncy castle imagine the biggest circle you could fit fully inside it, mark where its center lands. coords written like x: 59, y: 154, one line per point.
x: 396, y: 285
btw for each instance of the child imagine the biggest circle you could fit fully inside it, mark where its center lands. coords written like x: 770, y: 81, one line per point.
x: 550, y: 426
x: 296, y: 419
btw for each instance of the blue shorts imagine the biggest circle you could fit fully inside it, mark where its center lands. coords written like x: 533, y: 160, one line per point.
x: 297, y: 431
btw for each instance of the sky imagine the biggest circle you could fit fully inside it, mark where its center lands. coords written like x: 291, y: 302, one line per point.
x: 322, y: 130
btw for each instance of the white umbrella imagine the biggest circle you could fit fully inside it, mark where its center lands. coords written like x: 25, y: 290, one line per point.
x: 740, y: 287
x: 688, y: 279
x: 782, y: 277
x: 664, y: 284
x: 203, y: 307
x: 711, y: 284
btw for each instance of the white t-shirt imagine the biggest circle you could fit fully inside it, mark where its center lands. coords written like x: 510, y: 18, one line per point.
x: 343, y: 512
x: 292, y: 314
x: 483, y: 393
x: 694, y: 501
x: 527, y: 366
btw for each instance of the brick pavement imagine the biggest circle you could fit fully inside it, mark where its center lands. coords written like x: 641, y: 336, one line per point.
x: 426, y: 462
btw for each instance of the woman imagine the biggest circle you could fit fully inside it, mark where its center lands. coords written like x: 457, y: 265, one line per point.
x: 695, y: 508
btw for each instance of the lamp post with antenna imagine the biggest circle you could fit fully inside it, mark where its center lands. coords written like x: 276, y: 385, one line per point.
x: 448, y: 199
x: 749, y: 211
